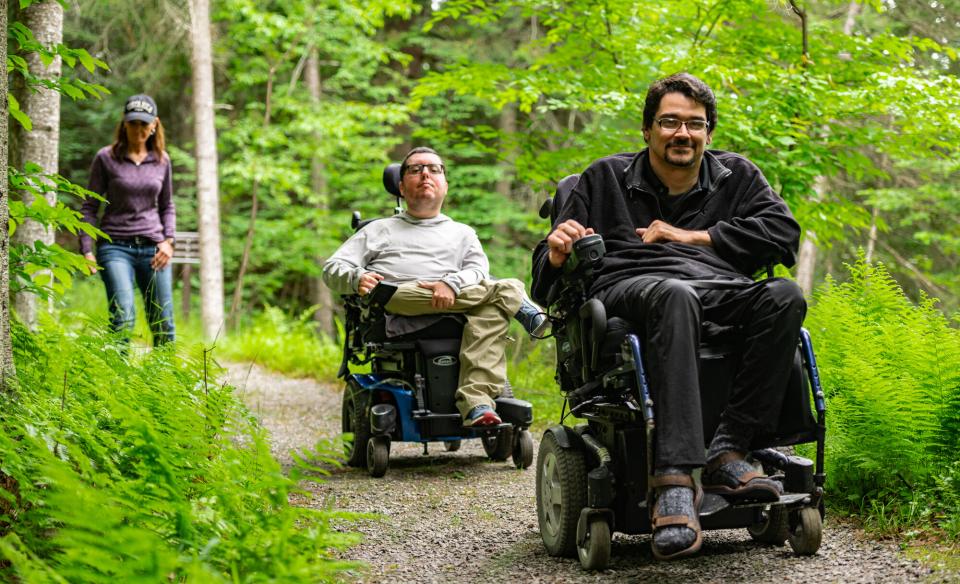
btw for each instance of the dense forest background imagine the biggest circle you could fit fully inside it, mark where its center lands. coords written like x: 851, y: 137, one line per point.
x: 848, y: 108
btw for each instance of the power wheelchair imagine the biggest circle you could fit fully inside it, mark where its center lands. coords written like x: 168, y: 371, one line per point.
x: 592, y: 479
x: 409, y: 393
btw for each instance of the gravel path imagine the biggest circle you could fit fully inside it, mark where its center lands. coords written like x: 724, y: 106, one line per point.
x: 457, y: 517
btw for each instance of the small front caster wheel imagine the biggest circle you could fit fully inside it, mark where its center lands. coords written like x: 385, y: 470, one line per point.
x: 774, y: 529
x: 378, y: 455
x: 452, y: 445
x: 806, y: 531
x: 593, y: 546
x: 523, y: 449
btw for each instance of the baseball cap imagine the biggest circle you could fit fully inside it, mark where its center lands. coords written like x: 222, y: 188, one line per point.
x: 140, y: 107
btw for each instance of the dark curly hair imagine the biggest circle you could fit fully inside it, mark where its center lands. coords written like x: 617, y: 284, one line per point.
x: 686, y: 84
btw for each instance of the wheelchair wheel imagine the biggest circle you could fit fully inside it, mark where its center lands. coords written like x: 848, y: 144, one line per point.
x: 523, y: 449
x: 353, y: 420
x: 452, y: 445
x: 498, y: 445
x: 378, y: 455
x: 593, y: 548
x: 561, y: 494
x: 806, y: 531
x: 774, y: 529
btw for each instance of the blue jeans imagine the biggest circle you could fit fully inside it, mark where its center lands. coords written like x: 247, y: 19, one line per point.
x: 125, y: 263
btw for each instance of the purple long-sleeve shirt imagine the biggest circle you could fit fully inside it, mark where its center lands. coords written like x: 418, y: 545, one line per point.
x: 139, y: 198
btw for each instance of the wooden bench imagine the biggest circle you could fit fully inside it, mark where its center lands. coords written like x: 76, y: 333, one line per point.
x: 187, y: 253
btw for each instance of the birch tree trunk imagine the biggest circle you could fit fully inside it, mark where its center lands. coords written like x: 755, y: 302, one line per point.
x: 208, y: 197
x: 322, y: 297
x: 7, y: 370
x: 41, y: 144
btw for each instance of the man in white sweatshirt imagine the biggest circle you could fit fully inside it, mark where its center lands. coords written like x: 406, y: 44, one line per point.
x: 439, y: 266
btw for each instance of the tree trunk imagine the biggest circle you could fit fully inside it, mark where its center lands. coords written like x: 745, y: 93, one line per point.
x: 7, y: 370
x: 40, y: 145
x: 321, y: 295
x: 806, y: 263
x: 208, y: 197
x: 508, y: 127
x: 871, y: 236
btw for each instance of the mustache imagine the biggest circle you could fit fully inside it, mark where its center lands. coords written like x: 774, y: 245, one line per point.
x: 680, y: 142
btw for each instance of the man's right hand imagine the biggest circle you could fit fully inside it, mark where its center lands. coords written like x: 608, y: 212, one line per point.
x: 562, y: 238
x: 367, y: 282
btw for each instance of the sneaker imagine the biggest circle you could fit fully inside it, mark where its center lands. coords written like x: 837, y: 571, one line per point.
x: 533, y: 318
x: 482, y: 415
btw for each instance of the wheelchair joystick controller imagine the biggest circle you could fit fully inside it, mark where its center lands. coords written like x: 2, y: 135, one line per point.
x: 588, y: 250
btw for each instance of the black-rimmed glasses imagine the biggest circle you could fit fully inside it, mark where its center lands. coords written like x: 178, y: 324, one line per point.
x: 418, y: 168
x: 693, y: 126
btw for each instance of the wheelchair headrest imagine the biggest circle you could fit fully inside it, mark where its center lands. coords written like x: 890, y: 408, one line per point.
x: 552, y: 206
x: 391, y: 179
x: 564, y: 188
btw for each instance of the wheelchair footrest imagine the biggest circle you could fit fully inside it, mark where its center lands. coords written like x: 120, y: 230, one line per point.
x: 516, y: 411
x: 428, y: 415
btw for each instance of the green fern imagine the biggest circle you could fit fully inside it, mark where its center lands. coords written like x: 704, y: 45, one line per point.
x: 143, y: 470
x: 891, y: 370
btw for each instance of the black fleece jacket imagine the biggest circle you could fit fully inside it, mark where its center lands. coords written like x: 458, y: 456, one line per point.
x: 750, y: 226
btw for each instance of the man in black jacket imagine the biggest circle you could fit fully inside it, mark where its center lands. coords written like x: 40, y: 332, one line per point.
x: 685, y: 229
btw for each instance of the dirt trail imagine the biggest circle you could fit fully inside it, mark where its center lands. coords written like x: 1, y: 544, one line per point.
x: 457, y: 517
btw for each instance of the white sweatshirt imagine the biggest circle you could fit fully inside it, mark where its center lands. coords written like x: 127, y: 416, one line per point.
x: 405, y: 249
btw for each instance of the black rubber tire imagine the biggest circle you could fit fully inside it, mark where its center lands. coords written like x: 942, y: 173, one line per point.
x: 498, y: 445
x: 594, y: 552
x: 774, y: 529
x: 452, y: 445
x: 806, y: 531
x: 378, y: 456
x: 354, y: 419
x: 561, y: 495
x: 523, y: 449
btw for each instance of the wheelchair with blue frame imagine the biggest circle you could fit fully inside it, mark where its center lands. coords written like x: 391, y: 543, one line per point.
x: 409, y: 393
x: 592, y: 479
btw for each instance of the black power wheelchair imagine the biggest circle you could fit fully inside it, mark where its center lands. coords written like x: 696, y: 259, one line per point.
x: 592, y: 479
x: 409, y: 394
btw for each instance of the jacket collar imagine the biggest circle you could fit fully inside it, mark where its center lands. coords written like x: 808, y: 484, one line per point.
x: 712, y: 174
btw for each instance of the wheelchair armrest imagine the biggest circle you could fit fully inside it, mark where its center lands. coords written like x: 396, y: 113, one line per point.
x: 594, y: 317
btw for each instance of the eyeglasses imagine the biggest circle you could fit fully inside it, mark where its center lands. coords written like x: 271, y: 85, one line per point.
x: 418, y: 168
x: 693, y: 126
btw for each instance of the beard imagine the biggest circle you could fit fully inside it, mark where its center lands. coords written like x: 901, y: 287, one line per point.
x: 679, y: 160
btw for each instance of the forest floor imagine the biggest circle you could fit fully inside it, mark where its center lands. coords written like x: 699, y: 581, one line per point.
x: 458, y: 517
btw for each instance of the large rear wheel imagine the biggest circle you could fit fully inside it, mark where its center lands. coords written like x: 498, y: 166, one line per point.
x: 561, y: 494
x: 354, y: 420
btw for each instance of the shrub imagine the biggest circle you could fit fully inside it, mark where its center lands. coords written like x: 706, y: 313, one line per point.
x: 143, y: 468
x: 891, y: 372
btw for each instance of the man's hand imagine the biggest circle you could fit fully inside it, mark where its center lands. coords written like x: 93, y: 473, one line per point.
x: 367, y: 282
x: 443, y: 296
x: 162, y: 257
x: 93, y: 267
x: 661, y: 231
x: 562, y: 238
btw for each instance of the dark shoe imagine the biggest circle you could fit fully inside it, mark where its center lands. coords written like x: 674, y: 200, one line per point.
x: 735, y: 478
x: 685, y: 516
x: 533, y: 318
x: 482, y: 415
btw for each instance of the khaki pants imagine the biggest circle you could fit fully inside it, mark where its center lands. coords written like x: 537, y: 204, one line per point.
x: 488, y: 305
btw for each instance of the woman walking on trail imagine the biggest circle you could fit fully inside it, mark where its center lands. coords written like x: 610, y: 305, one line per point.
x: 134, y: 176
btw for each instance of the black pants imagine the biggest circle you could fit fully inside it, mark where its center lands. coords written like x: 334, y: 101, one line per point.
x: 669, y: 312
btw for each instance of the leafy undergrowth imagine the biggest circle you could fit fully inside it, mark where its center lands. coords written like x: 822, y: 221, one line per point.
x: 891, y: 373
x: 142, y: 468
x: 283, y: 344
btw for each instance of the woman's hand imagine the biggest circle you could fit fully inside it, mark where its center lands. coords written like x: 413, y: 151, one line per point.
x: 92, y: 267
x: 163, y: 256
